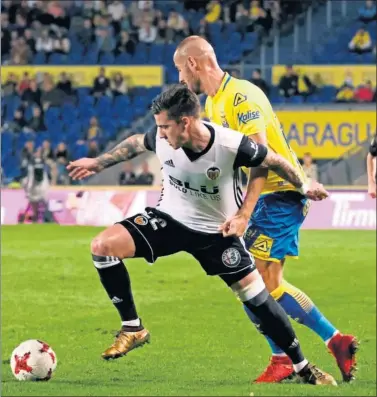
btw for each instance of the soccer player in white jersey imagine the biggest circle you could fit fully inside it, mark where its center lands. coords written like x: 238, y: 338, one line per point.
x: 200, y: 165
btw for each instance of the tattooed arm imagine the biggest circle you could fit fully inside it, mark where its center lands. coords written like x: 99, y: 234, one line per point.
x: 284, y: 169
x: 126, y: 150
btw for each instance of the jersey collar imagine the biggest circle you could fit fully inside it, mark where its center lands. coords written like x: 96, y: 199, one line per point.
x: 224, y: 83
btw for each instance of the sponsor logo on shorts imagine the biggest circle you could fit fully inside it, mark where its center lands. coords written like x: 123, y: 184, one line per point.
x: 141, y: 220
x: 244, y: 118
x: 213, y: 173
x: 262, y: 246
x: 231, y: 257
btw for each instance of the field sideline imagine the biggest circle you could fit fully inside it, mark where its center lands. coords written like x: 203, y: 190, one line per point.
x: 202, y: 342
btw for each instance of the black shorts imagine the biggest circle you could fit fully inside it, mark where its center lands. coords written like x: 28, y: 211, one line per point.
x: 157, y: 234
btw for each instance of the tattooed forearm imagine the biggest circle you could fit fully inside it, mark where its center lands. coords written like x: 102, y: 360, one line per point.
x: 126, y: 150
x: 283, y: 168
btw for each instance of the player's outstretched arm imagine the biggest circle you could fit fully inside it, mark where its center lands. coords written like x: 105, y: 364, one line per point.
x: 285, y: 170
x: 126, y: 150
x: 371, y: 172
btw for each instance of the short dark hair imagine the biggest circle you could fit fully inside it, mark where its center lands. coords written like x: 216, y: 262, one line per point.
x: 178, y: 101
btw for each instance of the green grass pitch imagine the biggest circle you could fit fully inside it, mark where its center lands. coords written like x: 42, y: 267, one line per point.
x: 202, y: 342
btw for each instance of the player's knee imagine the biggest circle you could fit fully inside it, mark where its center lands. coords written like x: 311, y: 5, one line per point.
x: 101, y: 246
x: 272, y: 274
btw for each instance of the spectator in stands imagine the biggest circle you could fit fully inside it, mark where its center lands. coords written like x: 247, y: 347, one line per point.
x: 345, y: 93
x: 361, y: 42
x: 94, y: 130
x: 101, y: 84
x: 45, y: 43
x: 305, y: 86
x: 213, y: 11
x: 27, y: 151
x: 161, y: 25
x: 147, y: 33
x: 105, y: 36
x: 262, y: 18
x: 65, y: 85
x: 85, y: 35
x: 61, y: 156
x: 309, y: 167
x: 288, y: 83
x: 126, y: 22
x: 30, y: 41
x: 10, y: 85
x: 20, y: 24
x: 36, y: 124
x: 176, y: 27
x: 116, y: 9
x: 31, y: 95
x: 145, y: 177
x: 368, y: 12
x: 51, y: 96
x: 243, y: 21
x: 127, y: 176
x: 48, y: 156
x: 275, y: 10
x: 125, y: 44
x: 21, y: 53
x: 5, y: 38
x: 364, y: 93
x: 18, y: 123
x: 93, y: 150
x: 257, y: 79
x: 118, y: 85
x: 61, y: 43
x: 24, y: 84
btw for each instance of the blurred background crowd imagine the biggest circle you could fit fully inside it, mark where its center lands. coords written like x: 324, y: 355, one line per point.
x: 63, y: 112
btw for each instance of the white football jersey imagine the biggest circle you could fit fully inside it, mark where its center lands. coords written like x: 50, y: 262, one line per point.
x: 201, y: 190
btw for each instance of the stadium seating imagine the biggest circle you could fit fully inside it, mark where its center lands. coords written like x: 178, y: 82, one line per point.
x: 69, y: 123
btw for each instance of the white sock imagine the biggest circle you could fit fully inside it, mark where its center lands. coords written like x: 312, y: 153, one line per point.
x: 298, y: 367
x: 328, y: 340
x: 279, y: 354
x: 131, y: 323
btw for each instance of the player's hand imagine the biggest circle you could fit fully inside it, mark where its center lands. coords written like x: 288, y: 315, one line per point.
x: 372, y: 189
x: 83, y: 168
x: 316, y: 191
x: 234, y: 226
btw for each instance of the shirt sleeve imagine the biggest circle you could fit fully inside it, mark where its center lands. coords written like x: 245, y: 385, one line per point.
x: 373, y: 148
x: 248, y: 117
x: 150, y: 140
x: 249, y: 154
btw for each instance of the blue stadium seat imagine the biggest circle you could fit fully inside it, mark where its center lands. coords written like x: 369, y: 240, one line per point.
x: 106, y: 59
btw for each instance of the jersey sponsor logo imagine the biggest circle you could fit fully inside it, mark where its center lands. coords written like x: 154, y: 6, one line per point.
x: 239, y: 98
x: 213, y: 173
x: 141, y: 220
x: 170, y: 163
x: 244, y: 118
x: 231, y: 257
x: 203, y: 191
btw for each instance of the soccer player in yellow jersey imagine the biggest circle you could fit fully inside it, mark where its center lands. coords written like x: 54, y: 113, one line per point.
x: 276, y: 208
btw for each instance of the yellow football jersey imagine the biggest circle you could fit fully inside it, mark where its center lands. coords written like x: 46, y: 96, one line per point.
x: 242, y: 106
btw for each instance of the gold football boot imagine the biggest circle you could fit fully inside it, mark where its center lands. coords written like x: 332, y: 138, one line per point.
x: 126, y: 340
x: 314, y: 376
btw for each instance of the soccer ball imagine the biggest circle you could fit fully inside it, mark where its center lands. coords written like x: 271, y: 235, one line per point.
x: 33, y: 360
